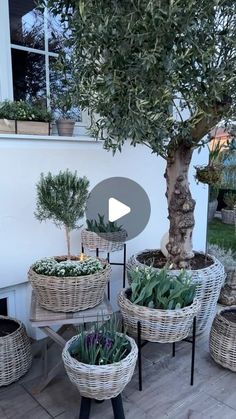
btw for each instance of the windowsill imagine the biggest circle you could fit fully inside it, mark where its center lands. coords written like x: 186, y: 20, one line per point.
x: 74, y: 139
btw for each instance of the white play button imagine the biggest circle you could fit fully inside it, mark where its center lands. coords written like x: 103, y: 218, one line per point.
x: 116, y: 209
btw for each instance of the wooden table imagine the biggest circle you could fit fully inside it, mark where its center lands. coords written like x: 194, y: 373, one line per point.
x: 45, y: 319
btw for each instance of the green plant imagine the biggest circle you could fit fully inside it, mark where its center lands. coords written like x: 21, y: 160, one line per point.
x: 51, y: 267
x: 24, y: 111
x: 156, y: 76
x: 229, y: 200
x: 160, y: 290
x: 101, y: 346
x: 62, y: 199
x: 226, y: 257
x: 99, y: 226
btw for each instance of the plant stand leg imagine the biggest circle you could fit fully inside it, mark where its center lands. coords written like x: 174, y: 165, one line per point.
x: 139, y: 357
x: 108, y: 284
x: 82, y: 249
x: 85, y: 407
x: 173, y: 349
x: 117, y: 406
x: 193, y: 350
x: 97, y: 252
x: 124, y: 266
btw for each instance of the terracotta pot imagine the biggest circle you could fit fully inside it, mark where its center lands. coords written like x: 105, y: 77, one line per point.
x: 65, y: 127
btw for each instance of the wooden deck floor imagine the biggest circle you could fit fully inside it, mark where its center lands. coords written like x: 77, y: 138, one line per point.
x: 166, y: 392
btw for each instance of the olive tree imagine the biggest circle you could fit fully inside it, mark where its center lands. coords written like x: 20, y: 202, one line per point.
x: 161, y: 73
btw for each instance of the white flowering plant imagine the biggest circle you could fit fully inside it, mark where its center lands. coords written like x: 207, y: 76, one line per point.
x: 52, y: 267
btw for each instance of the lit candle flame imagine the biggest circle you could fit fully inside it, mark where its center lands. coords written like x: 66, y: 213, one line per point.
x: 82, y: 257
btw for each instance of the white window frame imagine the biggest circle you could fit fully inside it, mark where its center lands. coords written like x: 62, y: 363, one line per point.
x: 6, y: 77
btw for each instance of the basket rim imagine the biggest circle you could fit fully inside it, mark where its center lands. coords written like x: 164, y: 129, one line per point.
x: 19, y: 322
x: 219, y: 315
x: 181, y: 311
x: 106, y: 267
x: 212, y: 257
x: 99, y: 368
x: 104, y: 232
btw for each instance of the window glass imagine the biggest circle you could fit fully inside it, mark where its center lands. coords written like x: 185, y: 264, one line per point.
x: 26, y: 24
x: 29, y: 75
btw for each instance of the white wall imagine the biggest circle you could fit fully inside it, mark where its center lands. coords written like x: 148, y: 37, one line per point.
x: 24, y: 239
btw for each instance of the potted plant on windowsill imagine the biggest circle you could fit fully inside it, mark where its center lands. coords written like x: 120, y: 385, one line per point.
x: 66, y: 283
x: 107, y: 237
x: 24, y: 118
x: 100, y: 362
x: 227, y: 213
x: 163, y: 304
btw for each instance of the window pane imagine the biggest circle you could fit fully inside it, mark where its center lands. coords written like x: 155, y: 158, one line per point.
x: 26, y: 24
x: 55, y: 33
x: 29, y: 76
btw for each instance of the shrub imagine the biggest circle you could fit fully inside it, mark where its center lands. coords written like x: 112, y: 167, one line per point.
x: 226, y: 257
x: 24, y: 111
x: 160, y: 290
x: 51, y: 267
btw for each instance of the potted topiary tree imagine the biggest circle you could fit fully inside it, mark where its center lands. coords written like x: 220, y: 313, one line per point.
x: 227, y: 213
x: 162, y: 88
x: 66, y: 283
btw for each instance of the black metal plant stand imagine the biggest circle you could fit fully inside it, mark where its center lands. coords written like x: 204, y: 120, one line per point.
x: 191, y: 340
x: 113, y: 263
x: 117, y: 407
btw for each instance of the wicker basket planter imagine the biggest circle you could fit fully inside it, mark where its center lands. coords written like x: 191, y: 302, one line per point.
x: 100, y: 382
x: 162, y: 326
x: 227, y: 216
x: 106, y: 242
x: 209, y: 282
x: 210, y: 174
x: 223, y: 338
x: 70, y: 294
x: 15, y: 350
x: 212, y: 207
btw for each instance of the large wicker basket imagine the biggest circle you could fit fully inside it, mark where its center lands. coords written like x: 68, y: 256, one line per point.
x: 157, y: 325
x: 70, y: 294
x: 15, y: 351
x: 105, y: 242
x: 100, y: 381
x: 223, y: 338
x: 209, y: 282
x: 228, y: 292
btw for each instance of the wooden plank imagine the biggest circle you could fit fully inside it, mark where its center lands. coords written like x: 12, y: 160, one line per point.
x: 7, y: 126
x: 32, y: 128
x: 53, y: 335
x: 40, y: 317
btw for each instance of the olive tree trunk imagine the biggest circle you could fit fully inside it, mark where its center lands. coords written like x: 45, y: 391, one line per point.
x: 180, y: 207
x: 67, y: 231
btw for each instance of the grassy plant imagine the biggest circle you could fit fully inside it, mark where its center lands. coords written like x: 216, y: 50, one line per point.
x: 159, y: 289
x: 102, y: 345
x: 99, y: 226
x: 51, y: 267
x: 230, y: 200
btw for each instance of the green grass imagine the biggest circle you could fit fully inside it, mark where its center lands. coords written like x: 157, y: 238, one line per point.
x: 222, y: 234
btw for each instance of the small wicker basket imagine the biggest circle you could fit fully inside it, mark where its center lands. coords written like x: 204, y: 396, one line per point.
x: 223, y: 338
x: 70, y: 294
x: 15, y: 351
x: 105, y: 242
x: 163, y: 326
x: 100, y: 382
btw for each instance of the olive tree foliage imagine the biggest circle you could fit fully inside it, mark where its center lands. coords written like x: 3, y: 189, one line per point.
x: 62, y: 199
x: 160, y: 73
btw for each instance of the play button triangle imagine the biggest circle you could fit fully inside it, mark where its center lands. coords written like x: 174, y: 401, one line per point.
x: 116, y: 209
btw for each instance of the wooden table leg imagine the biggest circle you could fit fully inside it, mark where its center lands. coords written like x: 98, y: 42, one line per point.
x: 46, y: 380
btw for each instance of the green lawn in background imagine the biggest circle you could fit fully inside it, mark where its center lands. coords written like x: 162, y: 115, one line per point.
x: 222, y: 234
